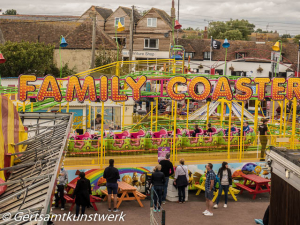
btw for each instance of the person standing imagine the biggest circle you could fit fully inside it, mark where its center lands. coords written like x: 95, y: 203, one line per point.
x: 168, y: 170
x: 181, y: 180
x: 209, y: 189
x: 196, y: 131
x: 158, y: 181
x: 111, y: 174
x: 263, y: 132
x: 226, y: 180
x: 82, y: 193
x: 61, y: 183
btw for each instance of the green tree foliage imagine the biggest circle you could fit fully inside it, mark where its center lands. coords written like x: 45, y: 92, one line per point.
x: 232, y: 35
x: 104, y: 56
x: 286, y: 36
x: 240, y: 28
x: 10, y: 12
x: 297, y: 38
x: 66, y: 71
x: 25, y: 57
x: 189, y: 28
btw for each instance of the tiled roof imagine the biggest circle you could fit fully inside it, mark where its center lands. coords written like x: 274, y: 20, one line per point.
x: 81, y: 37
x: 104, y: 12
x: 255, y: 51
x: 33, y: 31
x: 39, y: 17
x: 137, y: 15
x: 164, y: 16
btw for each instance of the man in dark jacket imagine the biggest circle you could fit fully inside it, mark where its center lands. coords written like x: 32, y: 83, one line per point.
x: 111, y: 174
x: 82, y: 193
x: 157, y: 181
x: 167, y: 169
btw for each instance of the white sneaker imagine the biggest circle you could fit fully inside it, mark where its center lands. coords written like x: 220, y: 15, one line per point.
x: 215, y: 206
x: 62, y: 209
x: 205, y: 212
x: 225, y: 205
x: 208, y: 214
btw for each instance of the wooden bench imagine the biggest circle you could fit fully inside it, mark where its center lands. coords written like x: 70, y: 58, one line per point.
x: 94, y: 199
x: 244, y: 187
x: 200, y: 188
x: 142, y: 196
x: 70, y: 200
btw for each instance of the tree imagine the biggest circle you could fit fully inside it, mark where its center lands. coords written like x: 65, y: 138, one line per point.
x: 232, y: 35
x: 218, y: 29
x: 189, y: 28
x: 286, y: 36
x: 259, y: 30
x: 25, y: 57
x: 10, y: 12
x: 297, y: 38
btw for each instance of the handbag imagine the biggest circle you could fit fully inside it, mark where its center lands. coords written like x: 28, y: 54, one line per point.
x: 187, y: 182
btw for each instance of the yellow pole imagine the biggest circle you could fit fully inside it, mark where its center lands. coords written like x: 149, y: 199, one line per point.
x: 294, y: 123
x: 68, y: 108
x: 273, y: 111
x: 59, y: 110
x: 242, y: 121
x: 174, y: 66
x: 151, y: 115
x: 123, y: 119
x: 23, y: 106
x: 156, y: 114
x: 172, y: 114
x: 118, y: 68
x: 281, y: 113
x: 256, y: 116
x: 222, y: 109
x: 284, y: 121
x: 102, y: 132
x: 229, y: 129
x: 31, y: 106
x: 187, y: 114
x: 174, y: 135
x: 207, y: 116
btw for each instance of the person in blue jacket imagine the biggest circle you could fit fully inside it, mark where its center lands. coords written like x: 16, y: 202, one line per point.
x: 246, y: 127
x: 231, y: 129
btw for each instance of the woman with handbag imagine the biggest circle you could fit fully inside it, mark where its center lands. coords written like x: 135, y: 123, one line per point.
x: 181, y: 180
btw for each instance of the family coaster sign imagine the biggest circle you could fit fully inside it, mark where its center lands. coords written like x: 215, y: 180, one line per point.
x: 110, y: 88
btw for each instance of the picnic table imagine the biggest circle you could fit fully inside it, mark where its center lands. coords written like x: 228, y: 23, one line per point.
x: 201, y: 187
x: 69, y: 199
x: 126, y: 189
x: 255, y: 185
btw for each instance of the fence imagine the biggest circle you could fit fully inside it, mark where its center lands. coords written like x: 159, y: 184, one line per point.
x: 134, y: 151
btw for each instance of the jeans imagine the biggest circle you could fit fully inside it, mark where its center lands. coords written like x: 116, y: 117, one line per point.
x: 165, y: 189
x: 82, y: 209
x: 221, y: 188
x: 60, y: 196
x: 157, y: 195
x: 181, y: 193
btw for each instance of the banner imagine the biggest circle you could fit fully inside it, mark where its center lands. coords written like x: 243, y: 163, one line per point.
x: 162, y: 151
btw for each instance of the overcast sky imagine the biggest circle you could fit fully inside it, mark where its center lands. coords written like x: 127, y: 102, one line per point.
x: 280, y: 15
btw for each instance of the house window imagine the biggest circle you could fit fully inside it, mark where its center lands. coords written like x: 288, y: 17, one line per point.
x: 151, y: 43
x: 121, y: 19
x: 151, y: 22
x: 240, y: 55
x: 121, y: 41
x: 206, y: 55
x: 191, y: 54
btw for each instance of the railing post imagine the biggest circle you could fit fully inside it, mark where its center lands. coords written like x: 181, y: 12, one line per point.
x: 242, y: 121
x: 151, y: 115
x: 156, y: 114
x: 102, y: 133
x: 187, y: 114
x: 229, y: 130
x: 294, y: 123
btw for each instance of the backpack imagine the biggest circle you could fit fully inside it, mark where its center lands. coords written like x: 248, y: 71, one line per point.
x: 217, y: 181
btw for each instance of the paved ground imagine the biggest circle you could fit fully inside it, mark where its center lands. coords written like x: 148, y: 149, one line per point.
x: 243, y: 212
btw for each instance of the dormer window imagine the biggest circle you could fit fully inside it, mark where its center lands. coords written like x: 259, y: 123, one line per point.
x: 240, y: 55
x: 151, y: 22
x: 121, y: 19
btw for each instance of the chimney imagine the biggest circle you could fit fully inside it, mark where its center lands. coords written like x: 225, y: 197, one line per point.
x: 173, y: 11
x: 205, y: 34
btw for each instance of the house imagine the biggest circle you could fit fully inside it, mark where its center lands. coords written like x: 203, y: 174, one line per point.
x: 152, y: 36
x: 248, y: 58
x: 101, y: 15
x: 78, y: 36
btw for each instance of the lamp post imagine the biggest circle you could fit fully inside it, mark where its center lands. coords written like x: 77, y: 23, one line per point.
x: 62, y: 44
x: 225, y: 45
x: 277, y: 48
x: 119, y: 28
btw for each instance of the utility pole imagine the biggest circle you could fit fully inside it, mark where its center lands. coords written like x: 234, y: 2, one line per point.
x: 178, y: 21
x: 93, y: 16
x: 131, y: 34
